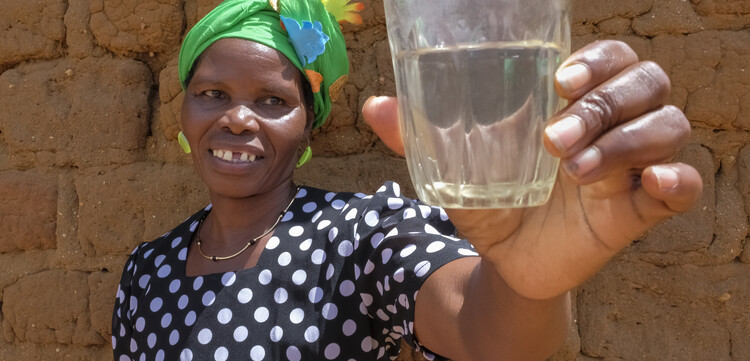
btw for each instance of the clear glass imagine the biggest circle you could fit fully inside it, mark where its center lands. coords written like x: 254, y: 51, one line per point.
x: 475, y: 86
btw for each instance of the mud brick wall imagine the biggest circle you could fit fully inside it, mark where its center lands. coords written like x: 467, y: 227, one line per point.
x: 90, y: 167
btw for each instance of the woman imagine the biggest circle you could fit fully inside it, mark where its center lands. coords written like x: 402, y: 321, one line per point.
x: 275, y: 271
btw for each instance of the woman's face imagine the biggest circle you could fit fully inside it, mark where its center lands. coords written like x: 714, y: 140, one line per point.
x: 244, y: 116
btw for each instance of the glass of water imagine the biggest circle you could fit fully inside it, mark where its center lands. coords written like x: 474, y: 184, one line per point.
x: 475, y: 81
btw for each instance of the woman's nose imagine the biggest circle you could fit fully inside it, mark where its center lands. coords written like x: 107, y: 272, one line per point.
x: 240, y: 119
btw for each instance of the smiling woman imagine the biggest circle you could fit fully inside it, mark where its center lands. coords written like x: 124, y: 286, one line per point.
x: 271, y: 270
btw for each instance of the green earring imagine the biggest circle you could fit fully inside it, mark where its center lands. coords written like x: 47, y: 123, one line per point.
x: 306, y: 155
x: 183, y: 142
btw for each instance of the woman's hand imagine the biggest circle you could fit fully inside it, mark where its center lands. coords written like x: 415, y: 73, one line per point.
x: 615, y: 141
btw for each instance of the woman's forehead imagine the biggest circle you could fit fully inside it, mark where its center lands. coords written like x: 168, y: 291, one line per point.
x: 235, y: 55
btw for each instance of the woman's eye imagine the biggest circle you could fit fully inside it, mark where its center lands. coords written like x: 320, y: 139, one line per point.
x: 273, y: 101
x: 212, y: 93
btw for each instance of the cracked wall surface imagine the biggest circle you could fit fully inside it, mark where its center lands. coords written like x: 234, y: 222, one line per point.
x: 90, y: 167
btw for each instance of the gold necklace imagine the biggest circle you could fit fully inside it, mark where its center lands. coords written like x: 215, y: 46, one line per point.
x: 249, y: 243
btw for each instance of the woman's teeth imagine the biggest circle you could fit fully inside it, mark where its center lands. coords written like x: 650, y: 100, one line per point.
x: 229, y: 156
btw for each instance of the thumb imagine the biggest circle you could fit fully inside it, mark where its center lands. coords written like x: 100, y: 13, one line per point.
x: 381, y: 114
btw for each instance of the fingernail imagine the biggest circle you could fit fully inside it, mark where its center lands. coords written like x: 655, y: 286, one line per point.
x: 584, y: 162
x: 666, y: 178
x: 565, y: 132
x: 573, y: 77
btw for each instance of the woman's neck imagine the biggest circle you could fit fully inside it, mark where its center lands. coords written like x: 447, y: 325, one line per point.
x: 237, y: 220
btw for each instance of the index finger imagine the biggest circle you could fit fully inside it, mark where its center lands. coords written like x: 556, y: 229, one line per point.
x: 591, y: 66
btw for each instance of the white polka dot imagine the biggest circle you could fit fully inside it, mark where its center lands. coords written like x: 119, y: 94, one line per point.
x: 315, y: 295
x: 316, y: 216
x: 245, y: 295
x: 332, y: 351
x: 398, y: 276
x: 261, y: 314
x: 387, y: 283
x: 276, y: 333
x: 205, y: 336
x: 382, y: 315
x: 166, y: 320
x: 305, y: 245
x: 410, y: 213
x: 140, y: 323
x: 372, y: 218
x: 309, y: 207
x: 156, y: 304
x: 391, y: 309
x: 183, y: 256
x: 151, y: 340
x: 323, y: 224
x: 349, y: 327
x: 240, y: 334
x: 265, y: 277
x: 376, y: 239
x: 396, y: 189
x: 363, y: 309
x: 190, y: 318
x: 346, y: 288
x: 257, y: 353
x: 367, y: 344
x: 404, y: 301
x: 287, y: 216
x: 280, y: 296
x: 293, y: 354
x: 395, y: 203
x: 351, y: 214
x: 366, y: 298
x: 164, y: 271
x: 467, y: 252
x: 159, y: 355
x: 285, y: 258
x: 143, y: 281
x: 224, y: 316
x: 435, y: 246
x: 159, y: 259
x: 186, y: 355
x: 221, y: 354
x: 386, y: 255
x: 174, y: 337
x: 425, y: 210
x: 273, y: 242
x: 332, y: 233
x: 301, y: 193
x: 318, y: 256
x: 133, y: 345
x: 297, y: 315
x: 393, y: 232
x: 299, y: 277
x: 312, y: 334
x: 193, y: 226
x: 369, y: 267
x: 198, y: 283
x: 430, y: 229
x: 329, y: 311
x: 296, y: 231
x: 338, y: 204
x: 329, y: 272
x: 422, y: 268
x: 208, y: 298
x: 379, y: 286
x: 228, y: 279
x: 346, y: 248
x: 408, y: 250
x: 356, y: 272
x: 174, y: 286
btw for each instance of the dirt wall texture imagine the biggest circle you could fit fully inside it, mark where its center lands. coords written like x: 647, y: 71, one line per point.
x: 90, y: 167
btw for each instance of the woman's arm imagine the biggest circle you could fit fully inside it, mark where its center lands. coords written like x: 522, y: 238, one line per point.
x: 615, y: 141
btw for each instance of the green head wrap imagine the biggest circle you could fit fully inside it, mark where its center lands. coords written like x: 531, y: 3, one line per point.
x: 310, y: 37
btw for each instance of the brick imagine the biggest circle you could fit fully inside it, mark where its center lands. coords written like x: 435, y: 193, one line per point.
x: 31, y: 30
x: 706, y: 7
x: 668, y: 17
x: 196, y: 9
x: 137, y: 26
x: 103, y: 287
x: 78, y: 38
x: 49, y: 307
x: 121, y: 207
x: 28, y: 211
x: 597, y: 10
x: 63, y: 103
x: 637, y: 311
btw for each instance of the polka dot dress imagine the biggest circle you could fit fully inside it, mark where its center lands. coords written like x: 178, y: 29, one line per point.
x: 337, y: 281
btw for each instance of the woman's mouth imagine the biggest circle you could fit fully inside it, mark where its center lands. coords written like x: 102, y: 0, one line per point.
x: 234, y: 157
